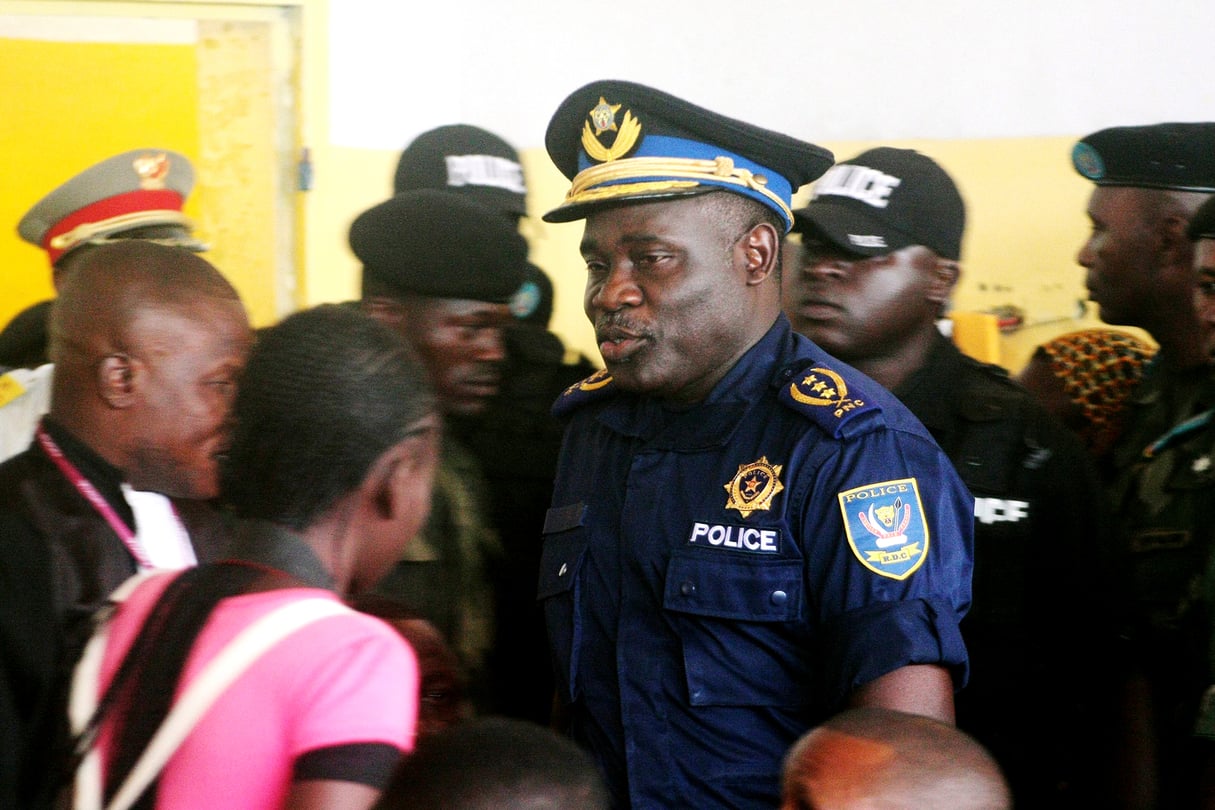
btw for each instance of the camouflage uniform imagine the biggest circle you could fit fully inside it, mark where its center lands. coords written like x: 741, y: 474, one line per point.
x: 1162, y: 489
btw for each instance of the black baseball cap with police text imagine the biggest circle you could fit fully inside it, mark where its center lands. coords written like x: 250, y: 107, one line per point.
x: 884, y: 200
x: 467, y: 160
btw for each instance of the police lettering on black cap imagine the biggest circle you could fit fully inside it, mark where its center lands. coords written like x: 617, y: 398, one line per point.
x: 140, y: 192
x: 884, y: 200
x: 440, y: 245
x: 465, y: 160
x: 620, y: 142
x: 1177, y: 156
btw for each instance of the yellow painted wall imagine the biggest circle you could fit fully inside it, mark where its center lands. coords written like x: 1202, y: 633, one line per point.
x: 1025, y: 224
x: 1026, y: 205
x: 1025, y: 209
x: 59, y: 113
x: 68, y: 105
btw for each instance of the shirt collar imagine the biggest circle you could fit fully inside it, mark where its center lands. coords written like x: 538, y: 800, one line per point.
x: 105, y: 477
x: 269, y: 544
x: 713, y: 421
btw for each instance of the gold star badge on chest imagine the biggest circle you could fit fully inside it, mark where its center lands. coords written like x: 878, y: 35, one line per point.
x: 754, y: 486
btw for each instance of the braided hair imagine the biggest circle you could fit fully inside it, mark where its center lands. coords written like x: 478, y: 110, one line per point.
x: 324, y: 394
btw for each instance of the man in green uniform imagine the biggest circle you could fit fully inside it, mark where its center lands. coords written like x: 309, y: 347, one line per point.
x: 1150, y: 180
x: 1202, y: 232
x: 440, y: 270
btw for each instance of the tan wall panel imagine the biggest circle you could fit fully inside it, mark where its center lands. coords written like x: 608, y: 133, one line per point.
x: 238, y: 176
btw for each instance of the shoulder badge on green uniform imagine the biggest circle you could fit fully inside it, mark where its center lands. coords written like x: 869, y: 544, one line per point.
x: 829, y: 400
x: 595, y: 387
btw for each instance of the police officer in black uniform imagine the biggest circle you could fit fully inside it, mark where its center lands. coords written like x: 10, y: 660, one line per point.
x: 881, y: 240
x: 1149, y: 182
x: 515, y: 439
x: 440, y: 270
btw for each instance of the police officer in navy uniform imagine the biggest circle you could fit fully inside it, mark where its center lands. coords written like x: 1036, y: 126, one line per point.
x: 515, y: 439
x: 1149, y: 181
x: 746, y: 535
x: 881, y: 242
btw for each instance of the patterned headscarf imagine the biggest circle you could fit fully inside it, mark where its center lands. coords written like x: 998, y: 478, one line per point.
x: 1098, y: 368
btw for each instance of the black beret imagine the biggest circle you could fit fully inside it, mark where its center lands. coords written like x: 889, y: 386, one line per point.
x: 620, y: 141
x: 1202, y: 224
x: 468, y: 160
x: 1167, y: 156
x: 440, y: 245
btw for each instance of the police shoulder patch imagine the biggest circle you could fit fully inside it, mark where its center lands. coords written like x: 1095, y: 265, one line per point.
x: 597, y: 386
x: 886, y: 527
x: 836, y: 404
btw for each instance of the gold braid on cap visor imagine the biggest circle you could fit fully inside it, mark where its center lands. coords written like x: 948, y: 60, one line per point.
x: 90, y: 230
x: 587, y: 185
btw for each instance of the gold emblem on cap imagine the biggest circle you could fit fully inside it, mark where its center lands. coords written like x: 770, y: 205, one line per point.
x: 152, y: 170
x: 754, y: 486
x: 822, y: 386
x: 603, y: 116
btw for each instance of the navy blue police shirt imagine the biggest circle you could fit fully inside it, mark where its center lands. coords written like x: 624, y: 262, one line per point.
x: 719, y: 579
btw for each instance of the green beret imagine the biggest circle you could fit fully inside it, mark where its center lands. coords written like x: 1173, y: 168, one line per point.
x: 1178, y: 156
x: 441, y: 245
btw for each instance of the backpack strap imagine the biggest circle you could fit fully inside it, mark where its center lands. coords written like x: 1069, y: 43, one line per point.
x: 224, y: 669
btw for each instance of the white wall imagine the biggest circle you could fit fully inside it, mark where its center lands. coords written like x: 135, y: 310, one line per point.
x: 847, y: 70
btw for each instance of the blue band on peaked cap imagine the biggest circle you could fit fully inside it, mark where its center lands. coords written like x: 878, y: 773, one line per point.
x: 621, y: 142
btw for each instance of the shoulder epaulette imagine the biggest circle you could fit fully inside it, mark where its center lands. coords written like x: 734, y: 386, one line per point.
x: 841, y: 407
x: 595, y: 387
x: 989, y: 393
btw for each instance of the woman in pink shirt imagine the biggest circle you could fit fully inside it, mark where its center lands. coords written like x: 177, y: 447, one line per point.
x: 330, y: 467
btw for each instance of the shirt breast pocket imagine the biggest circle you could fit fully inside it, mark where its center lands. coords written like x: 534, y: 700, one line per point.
x: 561, y: 558
x: 741, y: 623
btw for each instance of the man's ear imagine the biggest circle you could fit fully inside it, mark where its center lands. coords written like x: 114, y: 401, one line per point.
x: 1175, y: 245
x: 116, y: 380
x: 379, y: 484
x: 945, y: 273
x: 760, y: 249
x: 383, y: 482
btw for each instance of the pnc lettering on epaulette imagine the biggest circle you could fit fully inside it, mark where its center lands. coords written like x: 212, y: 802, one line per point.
x: 594, y: 387
x: 827, y: 399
